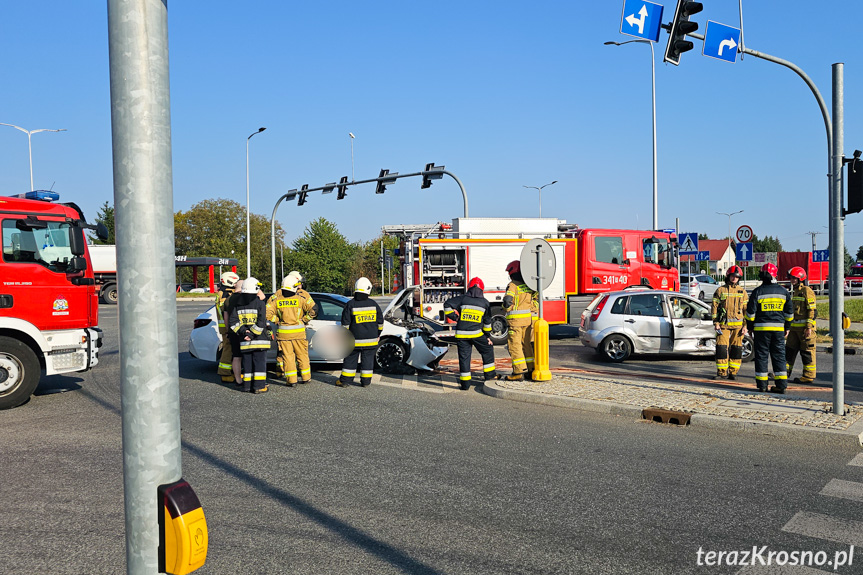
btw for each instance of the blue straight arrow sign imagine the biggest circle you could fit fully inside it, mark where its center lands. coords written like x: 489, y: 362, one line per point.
x: 820, y: 256
x: 703, y: 256
x: 744, y: 252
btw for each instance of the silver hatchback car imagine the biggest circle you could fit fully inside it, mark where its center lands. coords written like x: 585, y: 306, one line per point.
x: 643, y: 321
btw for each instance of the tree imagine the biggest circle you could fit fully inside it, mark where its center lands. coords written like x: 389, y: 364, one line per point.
x: 324, y: 257
x: 105, y: 216
x: 860, y: 253
x: 703, y: 237
x: 217, y: 228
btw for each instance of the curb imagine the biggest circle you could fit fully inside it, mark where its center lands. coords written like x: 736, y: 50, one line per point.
x: 849, y: 349
x: 852, y: 437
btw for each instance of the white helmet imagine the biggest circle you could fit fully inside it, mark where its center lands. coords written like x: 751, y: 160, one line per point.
x: 363, y: 285
x: 296, y: 273
x: 250, y: 285
x: 291, y: 281
x: 229, y: 279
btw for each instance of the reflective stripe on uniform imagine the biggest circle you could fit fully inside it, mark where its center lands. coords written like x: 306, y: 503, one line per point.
x: 468, y: 334
x: 518, y: 313
x: 291, y: 328
x: 464, y: 376
x: 365, y: 342
x: 488, y: 367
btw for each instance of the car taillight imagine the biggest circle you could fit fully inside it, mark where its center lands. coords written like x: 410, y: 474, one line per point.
x: 201, y: 323
x: 598, y: 309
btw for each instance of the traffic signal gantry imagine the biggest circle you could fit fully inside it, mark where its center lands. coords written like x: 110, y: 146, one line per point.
x: 384, y: 179
x: 678, y: 29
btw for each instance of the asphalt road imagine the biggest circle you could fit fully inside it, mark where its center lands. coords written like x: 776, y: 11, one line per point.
x: 319, y: 479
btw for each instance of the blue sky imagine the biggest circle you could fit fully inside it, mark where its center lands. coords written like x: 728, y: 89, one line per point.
x: 504, y: 94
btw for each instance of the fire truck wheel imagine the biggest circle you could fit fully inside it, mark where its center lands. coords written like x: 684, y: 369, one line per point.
x: 19, y: 372
x: 615, y: 348
x: 390, y: 355
x: 499, y: 328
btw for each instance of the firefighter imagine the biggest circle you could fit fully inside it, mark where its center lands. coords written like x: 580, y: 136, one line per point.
x: 768, y: 316
x: 292, y: 310
x: 801, y: 336
x: 362, y: 316
x: 521, y: 306
x: 729, y: 307
x: 249, y: 321
x: 227, y: 280
x: 300, y: 290
x: 473, y: 313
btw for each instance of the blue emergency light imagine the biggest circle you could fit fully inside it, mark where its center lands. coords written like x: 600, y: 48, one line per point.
x: 44, y: 195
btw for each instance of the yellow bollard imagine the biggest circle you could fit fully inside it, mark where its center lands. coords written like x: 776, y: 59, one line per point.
x: 541, y: 370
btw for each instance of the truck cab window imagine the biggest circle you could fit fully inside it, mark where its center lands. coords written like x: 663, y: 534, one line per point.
x: 609, y: 249
x: 655, y: 250
x: 48, y: 246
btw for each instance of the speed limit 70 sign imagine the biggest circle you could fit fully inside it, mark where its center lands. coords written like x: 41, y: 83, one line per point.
x: 744, y: 234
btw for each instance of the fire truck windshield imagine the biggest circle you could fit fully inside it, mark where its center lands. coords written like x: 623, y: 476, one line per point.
x: 46, y: 246
x: 856, y: 271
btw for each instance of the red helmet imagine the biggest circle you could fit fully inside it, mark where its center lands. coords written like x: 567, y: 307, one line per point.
x: 476, y: 282
x: 734, y: 271
x: 770, y: 269
x: 513, y: 267
x: 797, y: 272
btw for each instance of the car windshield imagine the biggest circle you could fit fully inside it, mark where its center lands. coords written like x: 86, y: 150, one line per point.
x: 48, y: 246
x: 855, y: 272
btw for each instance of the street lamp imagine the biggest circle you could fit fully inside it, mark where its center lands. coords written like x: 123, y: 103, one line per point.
x: 539, y: 189
x: 248, y: 219
x: 30, y: 145
x: 729, y: 223
x: 351, y: 134
x: 653, y: 93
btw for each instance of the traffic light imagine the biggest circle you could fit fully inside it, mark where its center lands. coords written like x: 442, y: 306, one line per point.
x: 303, y: 194
x: 855, y: 184
x: 342, y: 188
x: 680, y: 27
x: 383, y: 181
x: 431, y: 172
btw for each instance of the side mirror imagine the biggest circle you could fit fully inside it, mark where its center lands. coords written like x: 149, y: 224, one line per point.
x: 101, y: 231
x: 706, y: 316
x: 76, y: 241
x: 77, y: 264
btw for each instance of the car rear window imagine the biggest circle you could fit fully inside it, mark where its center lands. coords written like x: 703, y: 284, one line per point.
x: 619, y: 305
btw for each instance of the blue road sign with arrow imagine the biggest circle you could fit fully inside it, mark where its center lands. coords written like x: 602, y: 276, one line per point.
x: 721, y: 41
x: 820, y: 256
x: 744, y: 252
x: 689, y: 244
x: 703, y: 256
x: 641, y: 19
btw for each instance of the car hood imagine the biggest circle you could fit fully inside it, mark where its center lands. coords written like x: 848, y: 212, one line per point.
x: 400, y: 299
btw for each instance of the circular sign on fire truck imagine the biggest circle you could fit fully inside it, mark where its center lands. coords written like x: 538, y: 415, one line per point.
x: 744, y: 234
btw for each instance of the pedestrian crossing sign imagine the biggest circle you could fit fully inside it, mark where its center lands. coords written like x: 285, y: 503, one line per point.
x: 689, y: 244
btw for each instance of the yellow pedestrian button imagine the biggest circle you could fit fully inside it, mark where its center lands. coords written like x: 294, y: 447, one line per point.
x: 183, y: 533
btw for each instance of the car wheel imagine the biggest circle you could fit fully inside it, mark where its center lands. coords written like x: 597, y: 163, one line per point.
x: 701, y: 296
x: 390, y: 355
x: 109, y: 294
x: 19, y: 372
x: 499, y: 328
x: 616, y: 348
x: 748, y: 346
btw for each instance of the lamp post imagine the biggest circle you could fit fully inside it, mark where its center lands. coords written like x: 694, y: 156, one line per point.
x: 539, y: 189
x: 248, y: 219
x: 30, y: 145
x: 653, y: 96
x: 351, y: 134
x: 729, y: 223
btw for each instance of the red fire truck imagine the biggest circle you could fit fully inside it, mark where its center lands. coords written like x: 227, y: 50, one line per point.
x: 441, y: 258
x: 48, y: 303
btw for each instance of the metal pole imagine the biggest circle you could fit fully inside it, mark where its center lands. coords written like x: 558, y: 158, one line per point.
x: 383, y: 278
x: 273, y: 242
x: 461, y: 187
x: 539, y: 278
x: 655, y: 181
x: 248, y: 218
x: 143, y: 196
x: 30, y: 151
x: 677, y: 230
x: 837, y: 245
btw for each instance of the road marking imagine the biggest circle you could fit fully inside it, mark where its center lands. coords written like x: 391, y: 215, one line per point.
x: 780, y: 570
x: 821, y: 526
x: 858, y: 460
x: 844, y: 489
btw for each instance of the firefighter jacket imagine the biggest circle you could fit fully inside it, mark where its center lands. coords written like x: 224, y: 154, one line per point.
x: 803, y: 300
x: 769, y: 308
x: 473, y: 312
x: 520, y: 304
x: 291, y: 311
x: 249, y: 318
x: 729, y: 305
x: 222, y: 297
x: 364, y: 319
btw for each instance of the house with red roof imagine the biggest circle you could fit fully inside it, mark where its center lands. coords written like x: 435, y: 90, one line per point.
x: 721, y: 256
